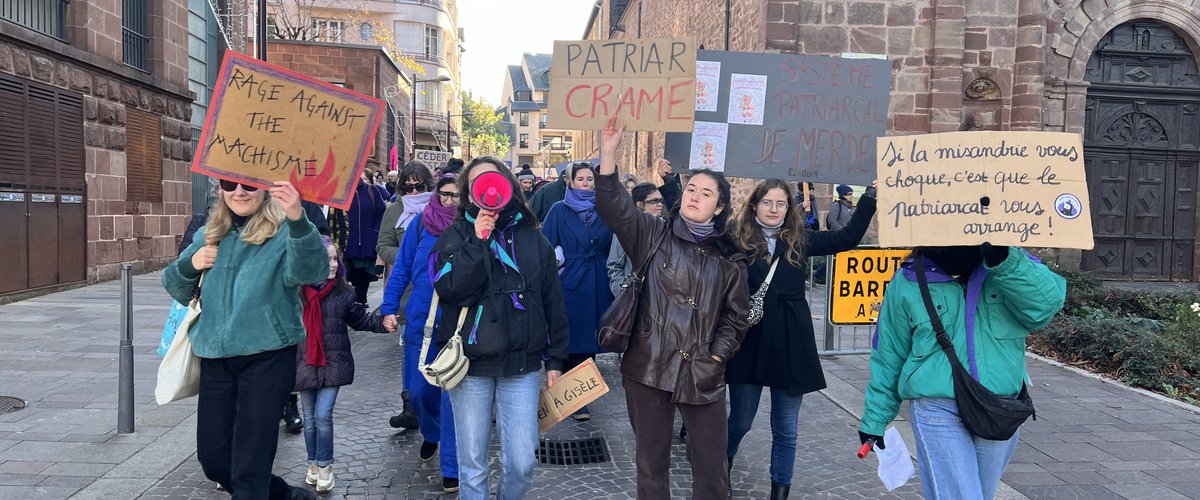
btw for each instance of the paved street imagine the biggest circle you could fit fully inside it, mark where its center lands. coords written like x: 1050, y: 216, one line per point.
x: 1093, y: 440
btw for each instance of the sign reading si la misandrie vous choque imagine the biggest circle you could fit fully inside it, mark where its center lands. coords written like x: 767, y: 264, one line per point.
x: 267, y: 123
x: 965, y: 188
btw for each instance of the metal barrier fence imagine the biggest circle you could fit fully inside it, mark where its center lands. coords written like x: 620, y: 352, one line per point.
x: 833, y: 340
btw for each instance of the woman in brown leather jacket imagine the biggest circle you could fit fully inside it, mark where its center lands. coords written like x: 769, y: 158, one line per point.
x: 693, y: 315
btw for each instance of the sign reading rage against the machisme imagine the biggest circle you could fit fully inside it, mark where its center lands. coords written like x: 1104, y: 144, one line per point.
x: 966, y: 188
x: 268, y: 123
x: 650, y: 84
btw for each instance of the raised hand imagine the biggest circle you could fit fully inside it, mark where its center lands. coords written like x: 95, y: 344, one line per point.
x: 288, y: 198
x: 485, y: 223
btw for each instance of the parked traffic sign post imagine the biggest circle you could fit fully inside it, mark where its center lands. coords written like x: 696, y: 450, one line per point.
x: 859, y: 280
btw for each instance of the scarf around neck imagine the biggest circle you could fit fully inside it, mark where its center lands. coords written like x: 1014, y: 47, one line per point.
x: 437, y: 217
x: 769, y: 233
x: 314, y: 319
x: 699, y: 231
x: 413, y: 205
x: 583, y: 203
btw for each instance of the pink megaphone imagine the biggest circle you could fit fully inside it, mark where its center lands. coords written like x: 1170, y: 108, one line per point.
x: 491, y: 191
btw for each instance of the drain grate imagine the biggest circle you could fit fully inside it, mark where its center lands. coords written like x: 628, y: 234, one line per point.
x: 573, y: 452
x: 9, y: 404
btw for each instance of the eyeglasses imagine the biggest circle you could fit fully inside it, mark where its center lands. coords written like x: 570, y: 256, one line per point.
x: 768, y: 204
x: 447, y: 194
x: 656, y: 201
x: 230, y: 186
x: 408, y: 188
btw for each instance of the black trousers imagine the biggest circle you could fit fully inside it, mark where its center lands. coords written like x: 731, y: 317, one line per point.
x: 237, y: 421
x: 361, y: 279
x: 653, y: 417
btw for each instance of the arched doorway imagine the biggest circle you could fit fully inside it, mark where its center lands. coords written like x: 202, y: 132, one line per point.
x: 1142, y: 147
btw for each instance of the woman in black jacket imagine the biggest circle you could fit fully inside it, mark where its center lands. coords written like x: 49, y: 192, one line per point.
x: 498, y: 270
x: 780, y: 352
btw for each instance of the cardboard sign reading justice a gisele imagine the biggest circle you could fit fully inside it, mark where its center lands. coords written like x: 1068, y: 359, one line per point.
x: 1025, y: 189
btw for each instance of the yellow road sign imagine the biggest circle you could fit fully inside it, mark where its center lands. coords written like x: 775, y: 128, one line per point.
x: 859, y: 280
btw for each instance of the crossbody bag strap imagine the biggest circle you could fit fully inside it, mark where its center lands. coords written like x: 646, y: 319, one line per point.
x: 771, y: 273
x: 640, y: 272
x: 934, y: 320
x: 429, y: 333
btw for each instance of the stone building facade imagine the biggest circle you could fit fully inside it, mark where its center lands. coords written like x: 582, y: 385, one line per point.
x: 1120, y: 72
x: 361, y: 68
x: 95, y: 140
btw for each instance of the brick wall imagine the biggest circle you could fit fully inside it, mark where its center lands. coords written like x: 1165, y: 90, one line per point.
x: 359, y: 68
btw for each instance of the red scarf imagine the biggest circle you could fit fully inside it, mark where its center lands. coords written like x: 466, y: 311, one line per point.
x: 314, y: 349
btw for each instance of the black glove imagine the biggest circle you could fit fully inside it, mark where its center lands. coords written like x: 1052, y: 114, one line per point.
x: 870, y: 192
x: 864, y: 438
x: 993, y: 255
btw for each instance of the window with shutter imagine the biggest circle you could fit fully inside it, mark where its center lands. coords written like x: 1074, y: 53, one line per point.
x: 143, y: 156
x: 43, y: 165
x: 71, y: 162
x: 13, y: 174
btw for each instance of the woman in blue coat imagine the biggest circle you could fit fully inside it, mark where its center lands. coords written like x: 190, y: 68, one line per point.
x: 430, y: 403
x: 581, y: 242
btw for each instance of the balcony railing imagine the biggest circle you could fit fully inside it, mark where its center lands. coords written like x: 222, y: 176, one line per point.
x: 421, y: 57
x: 48, y: 17
x: 437, y: 4
x: 431, y: 115
x: 135, y: 44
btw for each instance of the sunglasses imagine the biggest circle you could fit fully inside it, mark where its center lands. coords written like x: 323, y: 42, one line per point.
x: 408, y: 188
x: 230, y: 186
x: 658, y: 201
x: 447, y: 194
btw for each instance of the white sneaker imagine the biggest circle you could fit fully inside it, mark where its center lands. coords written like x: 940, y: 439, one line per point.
x: 325, y: 479
x: 311, y: 476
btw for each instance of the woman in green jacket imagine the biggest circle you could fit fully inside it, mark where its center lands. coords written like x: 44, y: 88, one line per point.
x: 988, y: 299
x: 256, y: 253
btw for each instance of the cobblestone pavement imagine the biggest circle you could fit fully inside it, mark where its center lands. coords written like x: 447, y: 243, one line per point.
x: 1093, y: 439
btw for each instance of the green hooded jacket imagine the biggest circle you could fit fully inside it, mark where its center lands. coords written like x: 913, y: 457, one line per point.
x: 1016, y: 297
x: 250, y: 300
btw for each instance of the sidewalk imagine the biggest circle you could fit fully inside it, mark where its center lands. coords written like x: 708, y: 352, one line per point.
x: 58, y: 352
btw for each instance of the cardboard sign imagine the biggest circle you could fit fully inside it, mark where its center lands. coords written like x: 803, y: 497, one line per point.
x: 574, y: 389
x: 651, y: 84
x: 790, y: 116
x: 965, y: 188
x: 859, y: 280
x: 266, y: 123
x: 434, y: 159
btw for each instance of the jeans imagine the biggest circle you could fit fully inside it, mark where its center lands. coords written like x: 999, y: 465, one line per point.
x: 237, y: 421
x: 516, y: 401
x: 955, y: 465
x: 785, y: 417
x: 318, y: 424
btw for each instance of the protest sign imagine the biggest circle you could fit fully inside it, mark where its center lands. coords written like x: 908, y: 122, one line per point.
x: 650, y: 84
x: 574, y: 389
x: 266, y: 123
x: 859, y: 280
x: 966, y: 188
x: 790, y: 116
x: 432, y: 159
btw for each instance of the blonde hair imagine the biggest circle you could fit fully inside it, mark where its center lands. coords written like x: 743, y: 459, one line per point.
x: 260, y: 227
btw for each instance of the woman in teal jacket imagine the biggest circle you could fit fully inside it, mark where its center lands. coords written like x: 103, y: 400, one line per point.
x: 989, y: 299
x: 256, y: 253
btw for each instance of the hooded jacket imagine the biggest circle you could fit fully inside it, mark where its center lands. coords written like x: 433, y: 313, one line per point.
x: 988, y: 321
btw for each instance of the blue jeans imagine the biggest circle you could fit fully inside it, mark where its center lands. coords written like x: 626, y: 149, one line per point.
x: 318, y: 424
x: 953, y: 463
x: 516, y: 401
x: 785, y: 417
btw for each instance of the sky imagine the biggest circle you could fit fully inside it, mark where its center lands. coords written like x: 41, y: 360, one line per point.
x: 498, y: 32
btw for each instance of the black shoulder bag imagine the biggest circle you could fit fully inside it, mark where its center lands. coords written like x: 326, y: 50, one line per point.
x: 983, y: 413
x: 617, y: 323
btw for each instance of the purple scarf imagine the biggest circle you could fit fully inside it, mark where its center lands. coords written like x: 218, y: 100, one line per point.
x: 437, y: 217
x: 583, y: 203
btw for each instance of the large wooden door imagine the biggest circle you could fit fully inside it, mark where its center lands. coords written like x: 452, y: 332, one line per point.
x: 1141, y: 150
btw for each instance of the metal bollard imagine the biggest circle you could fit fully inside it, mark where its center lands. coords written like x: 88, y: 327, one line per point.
x: 830, y: 330
x: 125, y: 377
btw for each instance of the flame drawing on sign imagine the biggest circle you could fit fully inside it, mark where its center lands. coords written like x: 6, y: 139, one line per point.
x: 323, y: 185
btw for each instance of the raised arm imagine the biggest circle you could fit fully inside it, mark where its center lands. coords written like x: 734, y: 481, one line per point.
x: 634, y: 228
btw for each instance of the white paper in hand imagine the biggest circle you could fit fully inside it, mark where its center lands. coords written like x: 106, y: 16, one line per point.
x: 895, y: 465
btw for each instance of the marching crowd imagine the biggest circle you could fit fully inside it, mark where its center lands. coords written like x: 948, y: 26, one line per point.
x: 718, y: 314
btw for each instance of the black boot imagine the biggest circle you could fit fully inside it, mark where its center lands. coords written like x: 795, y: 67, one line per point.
x: 291, y: 416
x: 779, y: 491
x: 407, y: 418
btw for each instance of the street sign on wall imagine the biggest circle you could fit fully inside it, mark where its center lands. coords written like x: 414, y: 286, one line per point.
x: 859, y: 280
